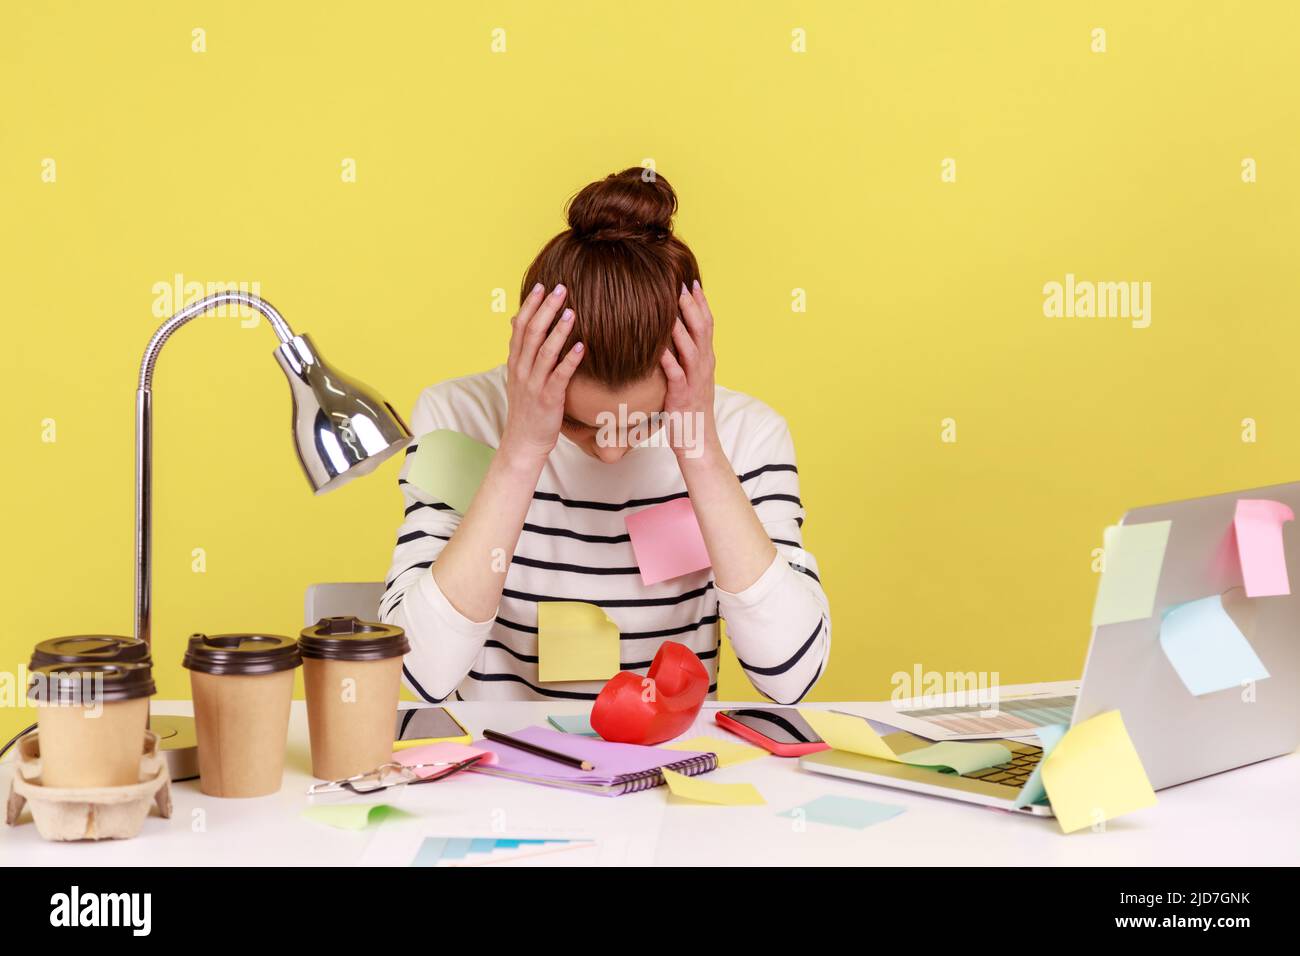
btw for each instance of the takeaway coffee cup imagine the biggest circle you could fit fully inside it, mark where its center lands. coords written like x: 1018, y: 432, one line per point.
x: 242, y: 686
x: 91, y: 718
x: 85, y: 648
x: 352, y: 671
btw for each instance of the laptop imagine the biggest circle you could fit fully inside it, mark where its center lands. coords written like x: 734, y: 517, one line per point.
x: 1178, y: 736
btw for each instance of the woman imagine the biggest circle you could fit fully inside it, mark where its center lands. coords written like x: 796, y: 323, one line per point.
x: 613, y: 328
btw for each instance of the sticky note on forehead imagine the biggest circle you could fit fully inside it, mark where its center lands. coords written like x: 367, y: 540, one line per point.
x: 449, y: 467
x: 667, y: 541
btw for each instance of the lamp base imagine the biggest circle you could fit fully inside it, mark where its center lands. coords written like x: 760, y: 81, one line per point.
x: 178, y: 741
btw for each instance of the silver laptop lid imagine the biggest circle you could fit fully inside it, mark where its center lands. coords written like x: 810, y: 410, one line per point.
x: 1178, y: 736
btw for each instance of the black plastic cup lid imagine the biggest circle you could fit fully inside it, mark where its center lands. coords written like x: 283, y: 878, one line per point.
x: 351, y: 639
x: 88, y: 683
x: 241, y: 653
x: 78, y: 648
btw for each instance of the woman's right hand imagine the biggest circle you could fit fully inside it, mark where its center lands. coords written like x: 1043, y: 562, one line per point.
x: 536, y: 376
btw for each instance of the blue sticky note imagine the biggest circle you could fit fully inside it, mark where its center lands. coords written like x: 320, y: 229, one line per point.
x: 1206, y: 647
x: 844, y: 812
x: 1033, y: 791
x: 572, y: 724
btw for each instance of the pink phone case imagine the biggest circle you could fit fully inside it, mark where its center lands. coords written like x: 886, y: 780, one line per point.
x: 767, y: 743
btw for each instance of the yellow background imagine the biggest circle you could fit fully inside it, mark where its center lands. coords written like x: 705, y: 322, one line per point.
x: 818, y: 171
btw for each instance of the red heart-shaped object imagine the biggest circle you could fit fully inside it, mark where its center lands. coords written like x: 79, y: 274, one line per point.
x: 632, y: 709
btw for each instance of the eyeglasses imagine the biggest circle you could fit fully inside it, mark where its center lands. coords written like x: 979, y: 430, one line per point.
x: 394, y: 775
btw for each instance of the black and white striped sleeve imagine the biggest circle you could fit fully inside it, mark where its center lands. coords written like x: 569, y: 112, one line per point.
x: 779, y: 626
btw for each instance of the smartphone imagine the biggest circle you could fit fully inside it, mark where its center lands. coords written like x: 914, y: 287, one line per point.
x: 427, y: 725
x: 777, y: 730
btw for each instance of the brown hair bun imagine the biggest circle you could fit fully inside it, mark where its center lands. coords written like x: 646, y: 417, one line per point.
x: 634, y: 204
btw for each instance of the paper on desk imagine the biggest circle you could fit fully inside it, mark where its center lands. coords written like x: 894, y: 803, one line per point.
x: 1032, y: 791
x: 730, y: 752
x: 839, y: 811
x: 350, y: 816
x: 855, y: 735
x: 1094, y: 774
x: 449, y: 466
x: 1258, y: 524
x: 705, y: 791
x: 1206, y: 647
x: 667, y: 541
x: 1134, y: 554
x: 575, y: 641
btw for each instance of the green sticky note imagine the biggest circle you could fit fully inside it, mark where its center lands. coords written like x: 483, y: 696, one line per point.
x: 1134, y: 554
x: 579, y: 724
x: 350, y: 816
x: 961, y: 756
x: 449, y: 467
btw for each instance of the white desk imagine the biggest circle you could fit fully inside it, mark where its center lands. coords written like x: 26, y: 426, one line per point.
x: 1247, y: 817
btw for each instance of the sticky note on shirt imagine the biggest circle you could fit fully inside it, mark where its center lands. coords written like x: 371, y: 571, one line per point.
x: 1206, y: 647
x: 1094, y: 774
x: 847, y: 812
x: 1134, y: 555
x: 575, y: 641
x: 961, y: 756
x: 1258, y: 524
x: 449, y: 467
x: 667, y: 541
x: 730, y: 752
x: 1032, y: 791
x: 706, y: 791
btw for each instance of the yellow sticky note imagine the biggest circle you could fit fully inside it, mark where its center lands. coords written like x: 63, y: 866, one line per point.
x: 575, y: 641
x: 719, y: 794
x: 853, y: 734
x: 1095, y: 774
x: 730, y: 752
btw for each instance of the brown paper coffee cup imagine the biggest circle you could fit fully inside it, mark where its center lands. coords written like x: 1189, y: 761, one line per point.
x: 80, y: 749
x: 351, y: 713
x: 243, y: 724
x: 352, y: 672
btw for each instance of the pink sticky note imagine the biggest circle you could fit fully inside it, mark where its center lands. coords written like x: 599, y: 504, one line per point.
x: 1258, y: 523
x: 667, y: 541
x: 442, y: 752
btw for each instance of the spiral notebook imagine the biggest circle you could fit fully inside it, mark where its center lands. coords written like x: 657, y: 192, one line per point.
x: 619, y: 768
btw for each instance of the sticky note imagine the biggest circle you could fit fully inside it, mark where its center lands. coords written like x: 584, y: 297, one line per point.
x: 350, y: 816
x: 1032, y: 791
x: 1134, y: 554
x: 667, y: 541
x: 443, y: 752
x: 1258, y: 523
x: 449, y: 467
x: 1094, y: 774
x: 1206, y: 647
x: 843, y: 732
x: 843, y: 812
x: 730, y: 752
x: 573, y: 724
x: 961, y: 756
x: 706, y: 791
x: 575, y: 641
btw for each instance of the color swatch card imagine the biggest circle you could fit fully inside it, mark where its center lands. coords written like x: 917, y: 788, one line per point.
x: 575, y: 641
x: 1094, y: 774
x: 1134, y: 555
x: 1258, y: 524
x: 1206, y: 647
x: 667, y: 541
x: 449, y: 467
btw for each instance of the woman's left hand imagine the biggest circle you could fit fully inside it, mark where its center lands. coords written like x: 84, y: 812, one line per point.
x: 689, y: 400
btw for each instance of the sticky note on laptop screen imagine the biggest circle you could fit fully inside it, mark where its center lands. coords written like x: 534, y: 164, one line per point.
x: 575, y: 641
x: 1206, y: 648
x: 667, y: 541
x: 1133, y: 557
x: 1258, y: 526
x: 449, y: 467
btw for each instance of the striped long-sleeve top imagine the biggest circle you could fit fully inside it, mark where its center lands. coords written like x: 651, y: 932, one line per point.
x: 575, y: 547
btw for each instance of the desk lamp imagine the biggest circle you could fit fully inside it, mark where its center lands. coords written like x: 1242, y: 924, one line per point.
x: 341, y: 429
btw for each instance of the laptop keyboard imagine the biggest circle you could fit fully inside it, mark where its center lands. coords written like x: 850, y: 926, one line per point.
x: 1024, y: 758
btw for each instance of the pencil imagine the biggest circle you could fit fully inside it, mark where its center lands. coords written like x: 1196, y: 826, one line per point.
x: 537, y: 751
